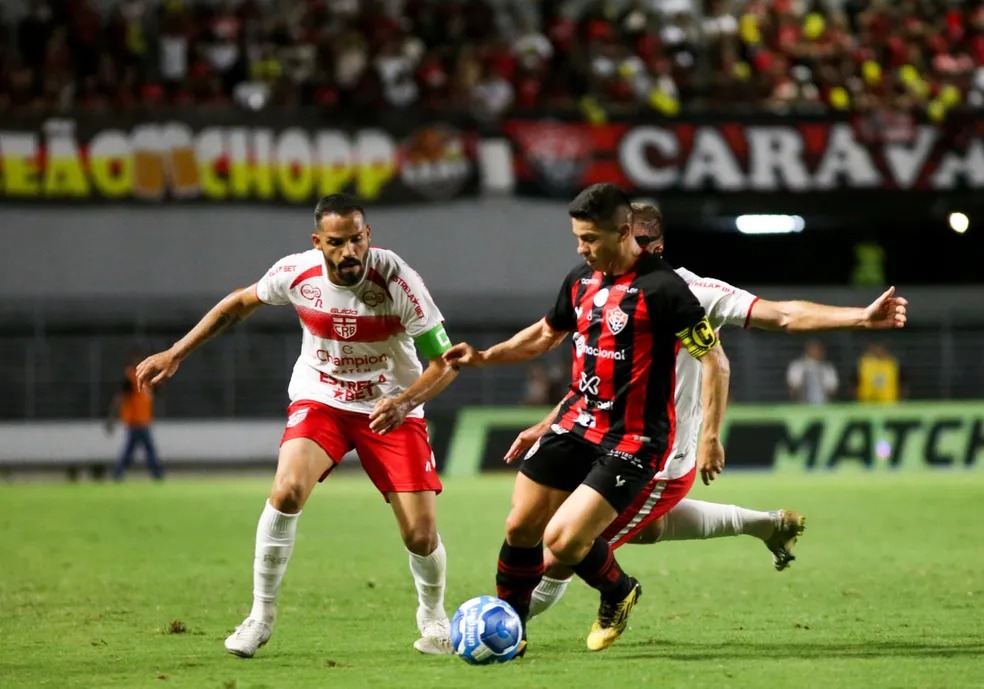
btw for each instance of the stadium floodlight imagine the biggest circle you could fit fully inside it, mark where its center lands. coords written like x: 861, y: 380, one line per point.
x: 959, y: 222
x: 769, y: 224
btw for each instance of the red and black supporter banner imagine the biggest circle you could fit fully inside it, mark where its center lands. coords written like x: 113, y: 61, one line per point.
x: 747, y: 156
x: 242, y: 158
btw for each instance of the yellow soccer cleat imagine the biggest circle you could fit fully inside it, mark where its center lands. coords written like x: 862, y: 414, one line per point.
x: 613, y: 618
x: 790, y: 526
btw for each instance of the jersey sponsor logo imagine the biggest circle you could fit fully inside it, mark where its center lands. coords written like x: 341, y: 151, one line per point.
x: 712, y: 285
x: 410, y: 295
x: 281, y: 269
x: 626, y: 289
x: 617, y: 320
x: 357, y: 361
x: 296, y: 417
x: 589, y: 384
x: 600, y: 405
x: 312, y: 293
x: 345, y: 326
x: 373, y: 298
x: 581, y: 347
x: 352, y: 390
x: 600, y: 297
x: 590, y: 281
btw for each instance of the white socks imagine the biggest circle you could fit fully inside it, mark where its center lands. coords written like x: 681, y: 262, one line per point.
x: 694, y: 519
x: 274, y: 541
x: 546, y: 594
x: 689, y: 520
x: 429, y: 572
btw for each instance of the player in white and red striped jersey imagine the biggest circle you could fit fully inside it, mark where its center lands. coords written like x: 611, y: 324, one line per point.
x: 661, y: 513
x: 357, y: 384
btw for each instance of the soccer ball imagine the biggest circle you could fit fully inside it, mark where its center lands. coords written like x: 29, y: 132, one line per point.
x: 486, y: 630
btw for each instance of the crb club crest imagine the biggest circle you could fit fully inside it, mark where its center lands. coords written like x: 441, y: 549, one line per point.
x: 559, y: 153
x: 617, y: 320
x: 344, y: 326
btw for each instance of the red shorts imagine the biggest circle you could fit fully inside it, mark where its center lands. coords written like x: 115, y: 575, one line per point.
x: 399, y: 462
x: 655, y: 500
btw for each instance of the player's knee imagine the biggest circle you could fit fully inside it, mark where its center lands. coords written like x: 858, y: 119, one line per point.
x: 420, y: 538
x: 287, y: 494
x: 649, y: 534
x: 567, y: 546
x: 522, y: 531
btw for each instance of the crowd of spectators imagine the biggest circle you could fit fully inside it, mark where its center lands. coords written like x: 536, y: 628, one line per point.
x: 489, y: 57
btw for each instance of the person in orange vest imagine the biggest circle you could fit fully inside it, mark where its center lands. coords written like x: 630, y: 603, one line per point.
x: 135, y: 408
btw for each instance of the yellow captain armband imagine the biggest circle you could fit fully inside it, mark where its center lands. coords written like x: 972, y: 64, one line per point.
x: 699, y: 338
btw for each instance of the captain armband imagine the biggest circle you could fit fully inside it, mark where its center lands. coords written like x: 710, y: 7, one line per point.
x: 433, y: 343
x: 699, y: 338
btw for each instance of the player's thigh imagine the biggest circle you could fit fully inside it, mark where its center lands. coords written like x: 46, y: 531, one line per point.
x: 400, y: 461
x: 313, y: 442
x: 533, y: 504
x: 641, y: 522
x: 558, y: 461
x: 551, y: 470
x: 577, y: 523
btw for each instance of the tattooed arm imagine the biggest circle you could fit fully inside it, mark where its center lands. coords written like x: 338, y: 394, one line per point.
x: 235, y: 307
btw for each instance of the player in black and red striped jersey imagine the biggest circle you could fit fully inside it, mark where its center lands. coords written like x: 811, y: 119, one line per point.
x: 629, y: 314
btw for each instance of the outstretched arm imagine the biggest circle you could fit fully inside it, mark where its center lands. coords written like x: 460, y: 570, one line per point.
x: 235, y: 307
x: 527, y: 344
x: 887, y: 311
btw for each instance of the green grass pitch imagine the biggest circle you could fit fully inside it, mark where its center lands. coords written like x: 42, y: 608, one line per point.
x: 887, y: 590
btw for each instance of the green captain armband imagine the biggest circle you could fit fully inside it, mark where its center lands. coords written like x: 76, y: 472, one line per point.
x: 699, y: 338
x: 433, y: 343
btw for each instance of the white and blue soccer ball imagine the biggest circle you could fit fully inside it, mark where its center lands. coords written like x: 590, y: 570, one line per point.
x: 486, y: 630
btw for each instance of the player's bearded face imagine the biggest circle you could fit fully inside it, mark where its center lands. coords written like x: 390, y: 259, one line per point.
x: 344, y: 241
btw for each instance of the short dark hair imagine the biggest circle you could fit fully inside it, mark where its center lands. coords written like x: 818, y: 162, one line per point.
x: 337, y: 204
x: 604, y: 205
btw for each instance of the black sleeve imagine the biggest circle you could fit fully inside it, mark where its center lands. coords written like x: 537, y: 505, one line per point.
x: 561, y: 316
x: 683, y: 315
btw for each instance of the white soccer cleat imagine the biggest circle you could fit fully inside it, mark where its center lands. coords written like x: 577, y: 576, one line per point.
x: 248, y: 637
x: 435, y: 634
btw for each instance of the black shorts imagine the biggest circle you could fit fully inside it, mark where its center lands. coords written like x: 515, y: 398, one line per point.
x: 565, y: 461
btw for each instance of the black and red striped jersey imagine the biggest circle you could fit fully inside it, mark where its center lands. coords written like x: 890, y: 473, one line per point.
x: 627, y: 330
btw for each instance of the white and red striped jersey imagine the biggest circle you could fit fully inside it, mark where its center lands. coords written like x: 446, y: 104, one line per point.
x: 358, y: 341
x: 725, y: 305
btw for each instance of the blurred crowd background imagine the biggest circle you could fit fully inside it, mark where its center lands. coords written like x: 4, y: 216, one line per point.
x: 492, y: 57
